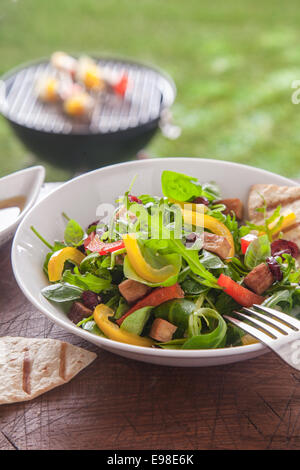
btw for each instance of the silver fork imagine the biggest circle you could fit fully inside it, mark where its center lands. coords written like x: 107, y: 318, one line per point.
x: 277, y: 330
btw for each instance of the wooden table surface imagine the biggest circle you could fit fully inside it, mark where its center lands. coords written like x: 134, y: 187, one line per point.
x: 117, y: 403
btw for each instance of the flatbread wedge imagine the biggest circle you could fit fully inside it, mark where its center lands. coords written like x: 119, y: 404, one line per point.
x: 286, y: 196
x: 32, y: 366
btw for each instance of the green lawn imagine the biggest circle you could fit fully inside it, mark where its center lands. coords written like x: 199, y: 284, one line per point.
x: 233, y: 64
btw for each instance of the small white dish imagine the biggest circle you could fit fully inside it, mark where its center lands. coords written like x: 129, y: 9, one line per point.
x: 79, y: 199
x: 26, y: 184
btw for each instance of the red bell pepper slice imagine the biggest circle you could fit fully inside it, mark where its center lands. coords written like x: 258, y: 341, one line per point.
x: 240, y: 294
x: 246, y: 240
x: 158, y: 296
x: 111, y: 247
x: 88, y: 239
x: 95, y: 244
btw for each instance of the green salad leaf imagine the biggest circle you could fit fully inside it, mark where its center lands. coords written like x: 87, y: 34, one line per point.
x: 136, y: 322
x: 212, y: 335
x: 185, y: 188
x: 86, y: 281
x: 74, y: 233
x: 257, y: 252
x: 179, y: 186
x: 62, y: 292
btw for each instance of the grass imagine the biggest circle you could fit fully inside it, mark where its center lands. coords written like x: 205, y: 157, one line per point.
x: 233, y: 64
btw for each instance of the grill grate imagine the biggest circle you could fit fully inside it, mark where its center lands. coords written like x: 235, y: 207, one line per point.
x: 150, y: 91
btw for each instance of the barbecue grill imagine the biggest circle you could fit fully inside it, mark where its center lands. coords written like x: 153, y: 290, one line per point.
x: 117, y: 129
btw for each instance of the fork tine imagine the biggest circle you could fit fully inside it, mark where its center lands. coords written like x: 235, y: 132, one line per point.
x: 249, y: 329
x: 268, y: 329
x: 281, y: 316
x: 282, y: 327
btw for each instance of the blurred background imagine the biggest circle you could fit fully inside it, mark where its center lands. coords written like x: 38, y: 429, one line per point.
x: 233, y: 64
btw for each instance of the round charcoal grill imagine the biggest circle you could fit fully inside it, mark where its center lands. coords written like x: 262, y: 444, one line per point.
x: 117, y: 129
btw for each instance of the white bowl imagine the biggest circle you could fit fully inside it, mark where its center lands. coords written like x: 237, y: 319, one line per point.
x: 26, y: 183
x: 79, y: 199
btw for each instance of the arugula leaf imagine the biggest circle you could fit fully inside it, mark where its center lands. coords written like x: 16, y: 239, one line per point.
x: 234, y: 335
x: 225, y: 304
x: 87, y: 281
x: 279, y: 297
x: 211, y: 191
x: 265, y: 227
x: 211, y: 261
x: 192, y: 259
x: 216, y: 211
x: 257, y: 252
x: 90, y: 263
x: 193, y: 287
x: 62, y: 292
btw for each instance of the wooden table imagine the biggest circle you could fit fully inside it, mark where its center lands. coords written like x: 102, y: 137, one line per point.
x: 121, y: 404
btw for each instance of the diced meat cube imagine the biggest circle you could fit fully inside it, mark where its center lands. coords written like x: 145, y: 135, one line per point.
x: 259, y: 279
x: 217, y: 244
x: 78, y: 312
x: 133, y: 290
x: 233, y: 205
x: 162, y: 330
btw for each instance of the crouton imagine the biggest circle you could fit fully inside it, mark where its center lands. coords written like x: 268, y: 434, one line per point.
x: 78, y: 312
x: 162, y: 330
x: 216, y: 244
x: 133, y: 290
x: 259, y: 279
x: 234, y: 205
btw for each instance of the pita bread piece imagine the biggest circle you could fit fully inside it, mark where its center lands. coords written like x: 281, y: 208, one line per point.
x: 286, y: 196
x: 32, y: 366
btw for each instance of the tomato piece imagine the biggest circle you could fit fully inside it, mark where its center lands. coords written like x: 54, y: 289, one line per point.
x: 240, y: 294
x: 246, y: 240
x: 155, y: 298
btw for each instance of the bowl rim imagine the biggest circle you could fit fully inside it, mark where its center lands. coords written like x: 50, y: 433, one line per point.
x: 86, y: 132
x: 257, y: 348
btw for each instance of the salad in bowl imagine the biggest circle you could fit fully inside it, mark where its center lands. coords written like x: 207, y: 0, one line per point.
x: 162, y: 271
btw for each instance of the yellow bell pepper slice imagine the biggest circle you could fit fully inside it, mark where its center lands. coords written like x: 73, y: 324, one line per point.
x: 195, y: 207
x: 288, y: 221
x: 212, y: 224
x: 139, y: 264
x: 114, y: 332
x: 58, y: 259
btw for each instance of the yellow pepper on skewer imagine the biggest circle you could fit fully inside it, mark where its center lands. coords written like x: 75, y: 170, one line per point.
x: 114, y: 332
